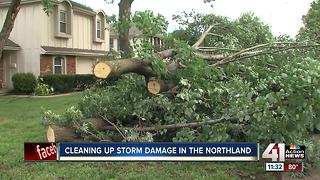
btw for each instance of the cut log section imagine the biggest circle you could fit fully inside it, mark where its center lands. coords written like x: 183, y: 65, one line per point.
x: 159, y: 86
x: 154, y: 87
x: 61, y: 134
x: 118, y: 67
x: 102, y: 70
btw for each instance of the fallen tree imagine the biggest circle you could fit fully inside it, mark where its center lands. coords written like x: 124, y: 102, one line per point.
x: 143, y: 66
x: 223, y: 88
x: 232, y: 93
x: 155, y: 86
x: 63, y: 134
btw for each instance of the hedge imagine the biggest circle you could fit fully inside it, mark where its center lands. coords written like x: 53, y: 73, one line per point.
x: 24, y: 82
x: 84, y: 81
x: 68, y: 83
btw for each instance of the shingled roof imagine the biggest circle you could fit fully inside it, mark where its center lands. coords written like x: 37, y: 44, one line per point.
x: 75, y: 4
x: 133, y: 32
x: 10, y: 45
x: 72, y: 51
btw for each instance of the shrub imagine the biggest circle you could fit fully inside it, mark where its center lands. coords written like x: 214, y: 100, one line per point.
x: 42, y: 89
x: 67, y: 83
x: 24, y: 82
x: 84, y: 81
x: 107, y: 82
x: 60, y: 83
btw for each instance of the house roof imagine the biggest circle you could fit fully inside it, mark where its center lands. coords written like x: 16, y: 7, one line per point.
x: 133, y: 32
x: 10, y: 45
x: 72, y: 51
x: 75, y: 4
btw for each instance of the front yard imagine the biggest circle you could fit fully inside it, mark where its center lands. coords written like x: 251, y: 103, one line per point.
x: 20, y: 121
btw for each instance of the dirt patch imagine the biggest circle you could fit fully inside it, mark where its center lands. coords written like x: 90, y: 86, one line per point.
x: 4, y: 167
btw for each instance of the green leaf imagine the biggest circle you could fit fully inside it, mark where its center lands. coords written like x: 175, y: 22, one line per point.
x: 318, y: 126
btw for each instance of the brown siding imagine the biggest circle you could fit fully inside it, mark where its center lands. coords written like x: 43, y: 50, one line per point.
x: 1, y: 73
x: 71, y: 65
x: 45, y: 65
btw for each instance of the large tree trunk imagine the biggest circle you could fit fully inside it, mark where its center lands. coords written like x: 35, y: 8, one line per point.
x: 9, y: 23
x: 119, y: 67
x: 140, y: 66
x: 61, y: 134
x: 124, y: 26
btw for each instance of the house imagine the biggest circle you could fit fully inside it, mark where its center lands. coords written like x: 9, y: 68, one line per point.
x: 68, y: 41
x: 135, y: 37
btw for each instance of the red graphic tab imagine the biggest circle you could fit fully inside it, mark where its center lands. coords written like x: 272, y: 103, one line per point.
x: 293, y: 167
x: 40, y: 152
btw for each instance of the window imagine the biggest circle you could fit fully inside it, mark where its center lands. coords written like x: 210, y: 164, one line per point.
x: 111, y: 44
x: 58, y: 67
x: 63, y: 21
x: 99, y: 24
x: 99, y: 29
x: 63, y: 17
x: 156, y: 41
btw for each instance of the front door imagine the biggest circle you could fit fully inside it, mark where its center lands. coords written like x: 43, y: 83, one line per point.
x: 2, y: 71
x: 8, y: 67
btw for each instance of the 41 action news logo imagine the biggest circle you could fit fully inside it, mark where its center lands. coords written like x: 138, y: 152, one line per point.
x: 280, y: 152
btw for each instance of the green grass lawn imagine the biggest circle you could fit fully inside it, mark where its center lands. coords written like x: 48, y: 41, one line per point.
x: 20, y: 121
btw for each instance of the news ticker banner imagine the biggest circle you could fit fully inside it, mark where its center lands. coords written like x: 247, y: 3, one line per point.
x: 278, y: 153
x: 141, y: 152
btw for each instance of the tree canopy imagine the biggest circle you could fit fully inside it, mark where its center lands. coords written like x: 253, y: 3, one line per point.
x: 311, y: 29
x: 220, y: 84
x: 149, y: 23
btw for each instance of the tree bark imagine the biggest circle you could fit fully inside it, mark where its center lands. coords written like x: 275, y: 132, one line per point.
x: 9, y: 23
x: 61, y: 134
x: 117, y: 68
x: 159, y: 86
x: 64, y: 134
x: 174, y: 126
x: 124, y: 26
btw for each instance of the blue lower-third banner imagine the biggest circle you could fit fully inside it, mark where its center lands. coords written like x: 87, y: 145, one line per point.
x: 158, y: 152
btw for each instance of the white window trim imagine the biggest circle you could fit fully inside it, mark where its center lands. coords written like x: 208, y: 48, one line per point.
x: 111, y: 43
x: 65, y: 22
x: 69, y: 22
x: 63, y: 64
x: 99, y: 28
x: 102, y: 20
x: 76, y: 64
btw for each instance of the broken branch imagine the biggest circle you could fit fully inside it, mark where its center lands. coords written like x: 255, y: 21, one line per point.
x: 119, y: 67
x: 269, y: 49
x: 159, y: 86
x: 174, y: 126
x: 202, y: 37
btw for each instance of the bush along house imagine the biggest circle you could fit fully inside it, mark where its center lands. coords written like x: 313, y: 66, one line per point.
x: 68, y: 41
